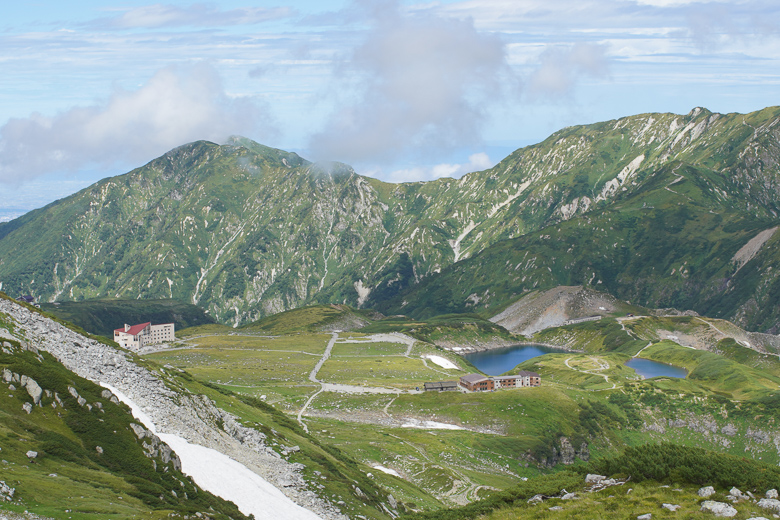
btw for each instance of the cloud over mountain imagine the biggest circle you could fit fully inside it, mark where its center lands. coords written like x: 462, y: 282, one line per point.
x: 417, y: 80
x: 177, y: 105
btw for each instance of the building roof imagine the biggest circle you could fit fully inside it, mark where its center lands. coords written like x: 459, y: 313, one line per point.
x: 135, y: 329
x: 441, y: 383
x: 527, y: 373
x: 473, y: 378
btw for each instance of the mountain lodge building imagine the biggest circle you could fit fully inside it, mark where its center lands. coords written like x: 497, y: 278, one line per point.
x: 134, y: 337
x: 480, y: 383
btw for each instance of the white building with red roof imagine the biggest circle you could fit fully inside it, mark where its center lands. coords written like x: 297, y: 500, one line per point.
x: 135, y: 337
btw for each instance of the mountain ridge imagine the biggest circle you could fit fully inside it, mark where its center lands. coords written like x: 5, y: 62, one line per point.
x: 246, y: 230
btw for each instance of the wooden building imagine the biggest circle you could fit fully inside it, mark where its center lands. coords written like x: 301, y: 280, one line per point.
x: 441, y: 386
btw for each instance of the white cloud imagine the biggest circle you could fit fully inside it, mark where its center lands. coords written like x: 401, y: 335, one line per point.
x: 559, y: 69
x: 418, y: 82
x: 177, y: 105
x: 196, y: 15
x: 477, y: 162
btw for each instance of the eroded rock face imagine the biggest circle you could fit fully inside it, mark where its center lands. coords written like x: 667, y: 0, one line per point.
x: 564, y: 453
x: 194, y: 418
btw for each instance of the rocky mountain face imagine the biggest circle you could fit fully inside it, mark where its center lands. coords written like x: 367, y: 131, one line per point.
x: 662, y: 209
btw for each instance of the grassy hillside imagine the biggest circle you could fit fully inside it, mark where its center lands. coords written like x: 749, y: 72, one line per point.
x: 659, y: 474
x: 462, y: 330
x: 314, y: 318
x: 102, y: 316
x: 89, y: 462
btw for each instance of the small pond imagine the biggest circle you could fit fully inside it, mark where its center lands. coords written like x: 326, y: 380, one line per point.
x: 495, y: 362
x: 648, y: 369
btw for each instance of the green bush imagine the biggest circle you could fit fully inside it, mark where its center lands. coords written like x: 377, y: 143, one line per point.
x: 682, y: 464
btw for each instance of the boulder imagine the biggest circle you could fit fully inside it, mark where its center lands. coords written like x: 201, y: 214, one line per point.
x: 27, y: 407
x: 735, y: 495
x: 535, y: 499
x: 594, y: 479
x: 671, y: 507
x: 34, y: 390
x: 772, y: 493
x: 32, y: 454
x: 646, y: 516
x: 770, y: 503
x: 706, y: 492
x: 720, y: 509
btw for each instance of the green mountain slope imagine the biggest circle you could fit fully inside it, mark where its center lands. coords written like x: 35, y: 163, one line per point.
x: 247, y: 231
x: 672, y: 244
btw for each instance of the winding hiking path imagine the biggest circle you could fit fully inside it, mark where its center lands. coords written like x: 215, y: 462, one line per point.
x: 640, y: 350
x: 354, y: 389
x: 313, y: 379
x: 603, y: 365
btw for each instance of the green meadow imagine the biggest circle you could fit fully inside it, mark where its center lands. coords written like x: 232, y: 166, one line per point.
x: 588, y: 399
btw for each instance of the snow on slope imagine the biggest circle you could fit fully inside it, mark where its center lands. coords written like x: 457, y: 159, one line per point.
x: 443, y: 362
x: 223, y: 476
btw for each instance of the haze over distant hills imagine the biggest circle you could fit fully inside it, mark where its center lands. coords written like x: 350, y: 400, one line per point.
x: 663, y: 210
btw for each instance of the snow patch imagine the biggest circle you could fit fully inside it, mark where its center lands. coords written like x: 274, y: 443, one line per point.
x: 442, y: 362
x: 429, y: 425
x: 231, y: 480
x: 386, y: 470
x: 219, y: 474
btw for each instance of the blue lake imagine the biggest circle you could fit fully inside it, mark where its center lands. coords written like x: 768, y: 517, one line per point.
x: 495, y: 362
x: 648, y: 369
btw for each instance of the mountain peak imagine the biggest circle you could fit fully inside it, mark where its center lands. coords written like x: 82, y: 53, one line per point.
x: 274, y: 155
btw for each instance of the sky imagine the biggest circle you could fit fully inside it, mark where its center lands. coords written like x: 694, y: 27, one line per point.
x: 400, y: 90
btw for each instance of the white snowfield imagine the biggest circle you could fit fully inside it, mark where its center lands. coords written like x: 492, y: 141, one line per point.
x: 443, y: 362
x: 223, y: 476
x: 389, y: 471
x: 429, y: 425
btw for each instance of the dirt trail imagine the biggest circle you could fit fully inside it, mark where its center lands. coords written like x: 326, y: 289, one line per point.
x: 313, y: 379
x: 603, y: 365
x: 353, y: 389
x: 640, y: 351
